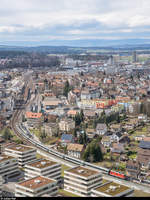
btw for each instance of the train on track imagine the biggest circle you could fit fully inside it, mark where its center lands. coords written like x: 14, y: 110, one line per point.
x: 23, y: 131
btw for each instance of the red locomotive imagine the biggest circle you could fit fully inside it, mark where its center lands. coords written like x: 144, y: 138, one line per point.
x: 118, y: 175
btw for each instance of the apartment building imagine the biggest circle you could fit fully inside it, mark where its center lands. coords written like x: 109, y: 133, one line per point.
x: 44, y: 168
x: 36, y: 187
x: 51, y: 129
x: 81, y: 180
x: 111, y: 189
x: 66, y: 125
x: 24, y: 154
x: 8, y: 166
x: 34, y: 119
x: 75, y: 150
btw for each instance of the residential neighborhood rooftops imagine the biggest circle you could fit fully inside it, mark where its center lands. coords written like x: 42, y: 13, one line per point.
x: 117, y: 148
x: 101, y: 126
x: 105, y: 139
x: 146, y: 139
x: 89, y: 113
x: 75, y: 147
x: 82, y: 171
x: 131, y: 164
x: 52, y: 103
x: 33, y: 115
x: 90, y: 130
x: 67, y: 120
x: 145, y: 152
x: 115, y: 126
x: 36, y: 182
x: 72, y: 112
x: 67, y: 137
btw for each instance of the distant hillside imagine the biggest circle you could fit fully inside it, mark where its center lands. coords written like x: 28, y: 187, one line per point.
x: 77, y: 46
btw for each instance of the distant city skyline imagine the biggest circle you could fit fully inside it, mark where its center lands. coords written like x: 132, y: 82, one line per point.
x: 34, y: 21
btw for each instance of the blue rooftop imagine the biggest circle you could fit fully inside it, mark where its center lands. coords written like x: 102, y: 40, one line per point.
x: 67, y: 137
x: 144, y: 145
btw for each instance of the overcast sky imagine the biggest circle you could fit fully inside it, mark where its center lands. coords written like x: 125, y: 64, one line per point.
x: 34, y: 20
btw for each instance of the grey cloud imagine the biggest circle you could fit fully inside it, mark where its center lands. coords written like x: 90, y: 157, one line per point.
x: 42, y: 19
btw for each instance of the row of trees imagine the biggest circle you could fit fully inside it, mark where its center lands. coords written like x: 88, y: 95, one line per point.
x: 25, y: 60
x: 107, y: 119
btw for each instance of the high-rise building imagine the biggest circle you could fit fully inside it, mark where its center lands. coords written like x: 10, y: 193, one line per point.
x: 134, y: 56
x: 111, y: 60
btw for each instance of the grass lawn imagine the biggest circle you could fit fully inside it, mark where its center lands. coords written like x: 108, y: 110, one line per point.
x: 140, y: 193
x: 48, y: 140
x: 36, y: 132
x: 63, y: 168
x: 52, y: 140
x: 107, y: 164
x: 68, y: 194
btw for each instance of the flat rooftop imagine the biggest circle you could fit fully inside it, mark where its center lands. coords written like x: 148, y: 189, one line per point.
x: 4, y: 158
x: 83, y: 171
x: 20, y: 148
x: 43, y: 163
x: 36, y: 182
x: 112, y: 188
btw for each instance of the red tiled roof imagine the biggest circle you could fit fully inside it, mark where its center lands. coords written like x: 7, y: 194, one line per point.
x: 33, y: 115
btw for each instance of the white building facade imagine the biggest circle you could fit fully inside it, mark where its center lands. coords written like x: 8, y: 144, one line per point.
x: 24, y: 154
x: 81, y: 180
x: 8, y: 166
x: 36, y: 187
x: 44, y: 168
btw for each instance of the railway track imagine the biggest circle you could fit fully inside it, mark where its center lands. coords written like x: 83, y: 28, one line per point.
x: 21, y: 134
x: 15, y: 118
